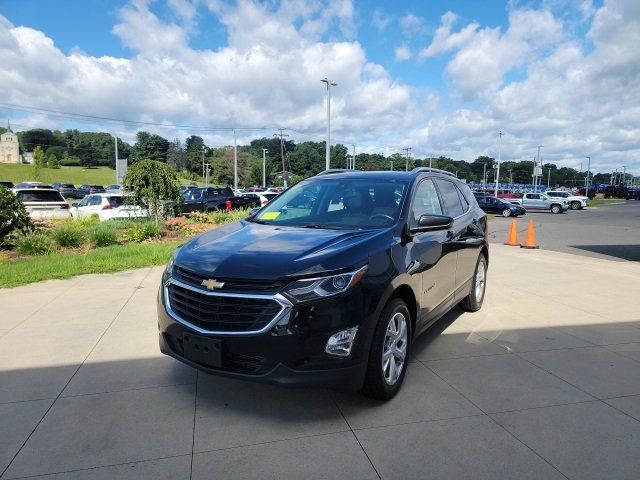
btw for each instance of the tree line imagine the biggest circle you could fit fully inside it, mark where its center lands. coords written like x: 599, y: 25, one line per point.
x: 74, y: 147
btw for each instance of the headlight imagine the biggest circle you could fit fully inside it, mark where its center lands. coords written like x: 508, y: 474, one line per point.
x: 168, y: 271
x: 320, y: 287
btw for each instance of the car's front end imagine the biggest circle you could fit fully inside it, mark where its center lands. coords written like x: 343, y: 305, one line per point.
x: 271, y: 331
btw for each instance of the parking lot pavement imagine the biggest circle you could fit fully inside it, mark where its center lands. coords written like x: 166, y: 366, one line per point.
x: 610, y: 232
x: 543, y: 382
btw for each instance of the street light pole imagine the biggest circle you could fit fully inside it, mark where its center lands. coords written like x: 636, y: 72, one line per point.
x: 586, y: 188
x: 406, y: 160
x: 535, y: 177
x: 264, y: 167
x: 235, y: 159
x: 327, y: 154
x: 499, y: 159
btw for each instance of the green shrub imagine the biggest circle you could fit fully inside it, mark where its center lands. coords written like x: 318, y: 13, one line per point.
x: 32, y: 243
x: 84, y: 221
x: 13, y: 216
x: 68, y: 235
x: 103, y: 235
x: 141, y: 231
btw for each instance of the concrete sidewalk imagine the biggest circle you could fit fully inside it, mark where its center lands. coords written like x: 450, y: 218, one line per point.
x: 543, y: 382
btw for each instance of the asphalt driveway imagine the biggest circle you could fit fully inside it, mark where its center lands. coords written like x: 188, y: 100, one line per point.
x: 544, y: 382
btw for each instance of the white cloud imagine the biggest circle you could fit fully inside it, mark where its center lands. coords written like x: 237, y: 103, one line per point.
x: 402, y: 52
x: 380, y: 19
x: 412, y: 24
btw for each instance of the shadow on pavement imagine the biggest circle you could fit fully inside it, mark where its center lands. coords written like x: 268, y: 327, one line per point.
x: 629, y: 252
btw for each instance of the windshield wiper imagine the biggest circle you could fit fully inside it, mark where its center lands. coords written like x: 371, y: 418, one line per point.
x: 255, y: 220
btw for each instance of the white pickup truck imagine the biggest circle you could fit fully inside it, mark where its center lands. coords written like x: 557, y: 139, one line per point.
x: 540, y: 201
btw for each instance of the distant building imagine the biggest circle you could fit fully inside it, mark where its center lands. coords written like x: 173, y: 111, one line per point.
x: 9, y: 149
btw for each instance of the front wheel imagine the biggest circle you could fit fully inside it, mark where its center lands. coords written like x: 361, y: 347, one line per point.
x: 473, y: 301
x: 556, y: 209
x: 389, y: 350
x: 576, y: 205
x: 506, y: 212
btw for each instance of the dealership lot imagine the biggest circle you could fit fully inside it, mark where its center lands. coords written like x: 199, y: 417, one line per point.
x: 610, y: 232
x: 543, y: 382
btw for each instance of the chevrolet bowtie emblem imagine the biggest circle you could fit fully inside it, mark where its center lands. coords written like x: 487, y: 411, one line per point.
x: 211, y: 284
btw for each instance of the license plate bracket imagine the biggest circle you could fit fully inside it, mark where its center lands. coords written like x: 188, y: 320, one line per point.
x: 204, y: 350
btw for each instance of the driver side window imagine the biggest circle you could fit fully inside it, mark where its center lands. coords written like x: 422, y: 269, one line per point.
x: 425, y: 201
x: 84, y: 202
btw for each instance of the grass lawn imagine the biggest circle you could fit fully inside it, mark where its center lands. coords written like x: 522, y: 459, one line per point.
x: 101, y: 260
x: 598, y: 202
x: 77, y: 175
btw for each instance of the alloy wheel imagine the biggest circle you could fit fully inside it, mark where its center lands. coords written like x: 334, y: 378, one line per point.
x: 394, y: 350
x: 480, y: 281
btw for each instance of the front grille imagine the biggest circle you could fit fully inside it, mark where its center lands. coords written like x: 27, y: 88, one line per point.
x: 221, y: 313
x: 230, y: 284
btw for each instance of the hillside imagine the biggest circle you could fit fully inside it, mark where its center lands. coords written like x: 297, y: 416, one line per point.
x: 76, y: 175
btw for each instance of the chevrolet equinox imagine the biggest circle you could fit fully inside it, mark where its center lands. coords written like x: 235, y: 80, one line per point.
x: 329, y: 283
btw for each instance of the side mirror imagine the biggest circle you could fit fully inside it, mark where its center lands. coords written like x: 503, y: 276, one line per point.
x: 429, y: 223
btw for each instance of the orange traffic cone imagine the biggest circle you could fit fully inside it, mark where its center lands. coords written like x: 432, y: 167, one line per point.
x: 513, y: 235
x: 530, y: 239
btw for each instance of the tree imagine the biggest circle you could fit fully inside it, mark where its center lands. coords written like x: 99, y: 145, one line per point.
x: 154, y: 184
x: 149, y: 146
x: 86, y: 160
x: 13, y: 216
x: 39, y: 162
x: 52, y: 161
x: 176, y: 155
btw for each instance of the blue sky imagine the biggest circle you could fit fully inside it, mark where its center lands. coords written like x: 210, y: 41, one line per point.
x: 443, y: 77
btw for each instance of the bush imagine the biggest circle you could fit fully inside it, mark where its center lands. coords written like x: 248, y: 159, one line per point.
x: 142, y: 231
x: 13, y: 216
x: 180, y: 225
x: 103, y: 235
x: 68, y: 235
x: 154, y: 184
x: 32, y: 243
x: 71, y: 161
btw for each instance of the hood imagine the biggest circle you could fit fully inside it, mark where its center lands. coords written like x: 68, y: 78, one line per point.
x: 254, y: 251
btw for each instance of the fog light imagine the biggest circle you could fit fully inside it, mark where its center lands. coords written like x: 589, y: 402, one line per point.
x: 341, y: 343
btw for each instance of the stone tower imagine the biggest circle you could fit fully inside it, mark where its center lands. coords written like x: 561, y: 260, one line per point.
x: 9, y: 151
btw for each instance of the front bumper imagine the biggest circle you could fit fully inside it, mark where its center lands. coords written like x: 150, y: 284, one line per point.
x: 291, y: 356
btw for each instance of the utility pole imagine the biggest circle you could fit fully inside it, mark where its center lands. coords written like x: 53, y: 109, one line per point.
x: 499, y: 159
x: 624, y: 174
x: 391, y: 165
x: 116, y: 139
x: 539, y: 163
x: 406, y: 161
x: 203, y: 172
x: 264, y: 167
x: 235, y: 159
x: 282, y: 135
x: 484, y: 174
x: 586, y: 188
x: 353, y: 165
x: 328, y: 152
x: 207, y: 170
x: 549, y: 178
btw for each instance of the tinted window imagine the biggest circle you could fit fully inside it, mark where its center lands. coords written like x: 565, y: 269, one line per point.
x: 115, y: 201
x: 426, y: 201
x: 192, y: 194
x: 94, y: 200
x: 450, y: 198
x: 41, y: 196
x: 463, y: 200
x: 66, y: 185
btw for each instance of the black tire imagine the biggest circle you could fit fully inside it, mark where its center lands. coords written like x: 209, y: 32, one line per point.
x: 506, y: 212
x: 575, y: 205
x: 473, y: 301
x: 556, y: 209
x: 375, y: 385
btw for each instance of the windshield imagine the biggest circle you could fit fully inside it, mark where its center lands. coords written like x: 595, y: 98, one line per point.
x: 337, y: 203
x: 40, y: 196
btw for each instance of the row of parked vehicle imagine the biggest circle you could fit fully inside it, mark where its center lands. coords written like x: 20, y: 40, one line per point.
x: 510, y: 204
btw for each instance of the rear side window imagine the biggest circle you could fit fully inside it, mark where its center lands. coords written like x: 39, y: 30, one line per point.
x: 41, y: 196
x: 115, y: 201
x: 94, y: 200
x: 450, y: 198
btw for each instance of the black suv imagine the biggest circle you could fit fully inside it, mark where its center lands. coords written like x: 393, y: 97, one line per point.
x: 329, y: 283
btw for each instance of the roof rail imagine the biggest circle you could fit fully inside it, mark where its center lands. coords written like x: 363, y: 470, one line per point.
x: 333, y: 170
x: 432, y: 170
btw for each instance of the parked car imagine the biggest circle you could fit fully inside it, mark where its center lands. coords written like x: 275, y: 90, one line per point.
x: 253, y: 189
x: 539, y: 201
x: 330, y: 295
x: 113, y: 188
x: 6, y: 184
x: 23, y: 185
x: 500, y: 206
x: 263, y: 197
x: 107, y: 206
x: 67, y: 190
x: 207, y: 199
x: 576, y: 202
x: 90, y: 188
x: 43, y: 203
x: 277, y: 190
